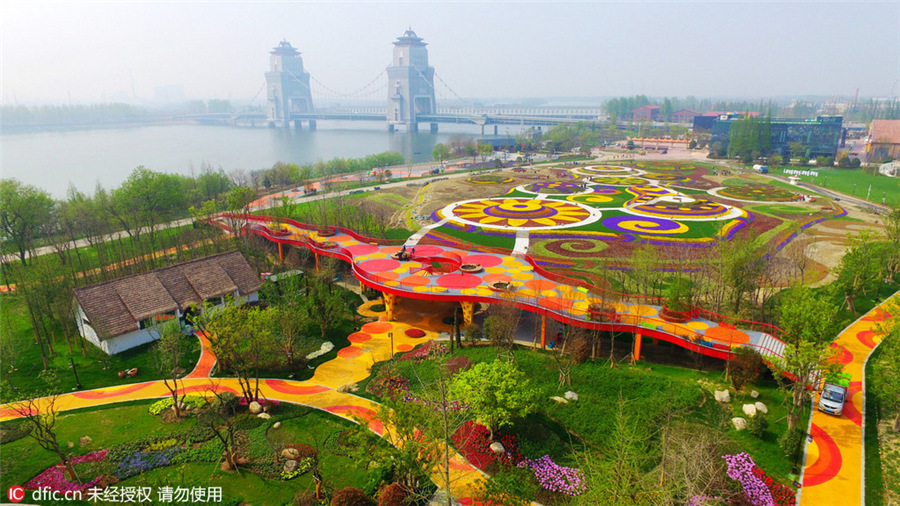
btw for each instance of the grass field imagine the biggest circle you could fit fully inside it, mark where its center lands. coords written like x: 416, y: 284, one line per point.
x: 854, y: 182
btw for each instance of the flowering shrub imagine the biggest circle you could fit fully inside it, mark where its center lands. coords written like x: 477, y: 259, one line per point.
x: 139, y: 462
x: 55, y: 478
x: 759, y: 488
x: 425, y: 352
x: 556, y: 478
x: 458, y: 364
x: 162, y: 445
x: 388, y: 383
x: 453, y: 405
x: 166, y: 403
x: 473, y: 442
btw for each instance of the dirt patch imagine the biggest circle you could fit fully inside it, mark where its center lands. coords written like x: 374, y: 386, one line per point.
x: 829, y: 241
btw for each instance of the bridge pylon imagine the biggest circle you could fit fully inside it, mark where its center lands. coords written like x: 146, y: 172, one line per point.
x: 287, y: 88
x: 410, y: 84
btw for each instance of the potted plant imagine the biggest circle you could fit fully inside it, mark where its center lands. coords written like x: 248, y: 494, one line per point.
x: 326, y: 231
x: 471, y: 268
x: 500, y: 286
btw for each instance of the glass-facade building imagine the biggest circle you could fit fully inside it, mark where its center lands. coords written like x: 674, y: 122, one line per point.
x: 820, y: 136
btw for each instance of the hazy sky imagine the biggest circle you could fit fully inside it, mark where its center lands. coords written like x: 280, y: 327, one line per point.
x: 88, y: 51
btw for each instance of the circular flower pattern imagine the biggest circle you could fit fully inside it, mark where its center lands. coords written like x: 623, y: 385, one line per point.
x: 521, y: 213
x: 554, y: 188
x: 646, y: 225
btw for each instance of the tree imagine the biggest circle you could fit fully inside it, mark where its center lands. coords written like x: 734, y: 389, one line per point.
x: 485, y: 149
x: 805, y: 316
x: 41, y: 414
x: 743, y: 366
x: 496, y: 393
x: 440, y: 152
x: 886, y: 377
x: 218, y: 419
x: 238, y: 337
x: 322, y: 304
x: 169, y: 350
x: 24, y: 210
x: 858, y: 269
x: 803, y: 363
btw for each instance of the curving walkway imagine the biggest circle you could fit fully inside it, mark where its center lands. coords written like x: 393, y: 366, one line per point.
x: 834, y: 471
x: 531, y: 288
x: 352, y: 364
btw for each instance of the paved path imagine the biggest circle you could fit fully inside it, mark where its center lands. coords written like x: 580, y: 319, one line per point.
x: 834, y: 473
x: 371, y: 344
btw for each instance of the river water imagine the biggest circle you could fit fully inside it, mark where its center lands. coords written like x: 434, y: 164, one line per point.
x: 53, y: 160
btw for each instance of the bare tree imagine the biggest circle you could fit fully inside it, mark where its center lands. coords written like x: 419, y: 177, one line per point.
x: 41, y: 414
x: 169, y: 351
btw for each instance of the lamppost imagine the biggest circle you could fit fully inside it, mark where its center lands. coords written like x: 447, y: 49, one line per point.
x: 74, y: 370
x: 391, y: 335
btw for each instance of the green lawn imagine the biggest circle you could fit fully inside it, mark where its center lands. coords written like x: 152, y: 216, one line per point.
x: 854, y: 182
x: 116, y: 424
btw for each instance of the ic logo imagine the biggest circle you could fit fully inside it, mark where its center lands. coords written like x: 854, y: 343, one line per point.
x: 16, y: 493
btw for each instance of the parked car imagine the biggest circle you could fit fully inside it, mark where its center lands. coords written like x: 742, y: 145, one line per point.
x: 835, y: 394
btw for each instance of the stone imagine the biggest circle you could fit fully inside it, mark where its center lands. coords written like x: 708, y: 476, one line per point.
x: 290, y: 466
x: 277, y: 425
x: 572, y: 396
x: 722, y: 395
x: 290, y: 453
x: 559, y: 399
x: 255, y: 408
x: 348, y: 387
x: 760, y: 407
x: 754, y: 394
x: 71, y: 444
x: 739, y: 423
x: 264, y: 416
x: 84, y: 441
x: 497, y: 448
x: 749, y: 410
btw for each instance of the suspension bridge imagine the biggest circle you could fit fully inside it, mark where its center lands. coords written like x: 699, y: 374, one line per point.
x: 294, y: 96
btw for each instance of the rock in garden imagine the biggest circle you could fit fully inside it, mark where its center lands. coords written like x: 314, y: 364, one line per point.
x: 754, y: 394
x: 749, y: 410
x: 277, y: 425
x: 255, y: 408
x: 348, y: 387
x: 722, y: 395
x: 290, y: 453
x: 84, y: 441
x: 71, y: 444
x: 264, y: 416
x: 559, y: 399
x: 497, y: 448
x: 761, y: 407
x: 739, y: 423
x: 290, y: 466
x: 572, y: 396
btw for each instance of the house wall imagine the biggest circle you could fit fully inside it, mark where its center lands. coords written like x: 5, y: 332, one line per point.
x: 127, y: 341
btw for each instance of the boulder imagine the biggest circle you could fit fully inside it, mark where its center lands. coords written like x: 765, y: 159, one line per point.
x: 255, y: 408
x: 760, y: 407
x: 722, y: 395
x: 739, y: 423
x: 749, y: 410
x: 84, y: 441
x: 264, y: 416
x: 290, y: 466
x: 497, y: 448
x: 754, y: 394
x: 290, y: 453
x: 277, y: 425
x: 559, y: 399
x: 71, y: 444
x: 348, y: 387
x: 572, y: 396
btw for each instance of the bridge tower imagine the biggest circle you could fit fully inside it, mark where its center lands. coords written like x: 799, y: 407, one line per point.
x: 287, y: 86
x: 410, y: 83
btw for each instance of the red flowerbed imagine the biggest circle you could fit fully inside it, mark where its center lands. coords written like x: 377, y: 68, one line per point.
x: 473, y: 442
x: 782, y: 495
x: 415, y: 333
x: 425, y: 352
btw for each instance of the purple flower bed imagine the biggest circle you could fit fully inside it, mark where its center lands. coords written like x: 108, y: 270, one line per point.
x: 55, y: 476
x: 740, y: 469
x: 141, y: 461
x: 556, y: 478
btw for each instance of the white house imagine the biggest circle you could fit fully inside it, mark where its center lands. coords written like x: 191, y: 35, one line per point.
x: 118, y: 315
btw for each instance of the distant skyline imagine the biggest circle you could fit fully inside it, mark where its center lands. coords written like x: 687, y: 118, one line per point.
x: 90, y: 52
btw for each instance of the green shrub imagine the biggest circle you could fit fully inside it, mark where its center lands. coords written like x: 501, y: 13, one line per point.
x: 383, y: 473
x: 162, y: 445
x: 758, y: 425
x: 789, y: 442
x: 14, y: 431
x: 226, y: 403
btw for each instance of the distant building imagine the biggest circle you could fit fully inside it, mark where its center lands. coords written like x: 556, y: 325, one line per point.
x: 646, y: 113
x: 883, y: 140
x: 820, y: 136
x: 704, y: 122
x: 120, y: 314
x: 287, y: 87
x: 683, y: 116
x: 410, y: 83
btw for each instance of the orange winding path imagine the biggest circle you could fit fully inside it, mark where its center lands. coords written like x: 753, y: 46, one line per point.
x: 833, y: 473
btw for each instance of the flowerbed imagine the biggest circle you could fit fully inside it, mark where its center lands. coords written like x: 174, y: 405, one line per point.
x: 759, y: 488
x: 415, y: 333
x: 556, y: 478
x: 141, y: 461
x: 388, y: 383
x: 166, y: 403
x: 420, y: 354
x: 54, y: 477
x: 473, y: 441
